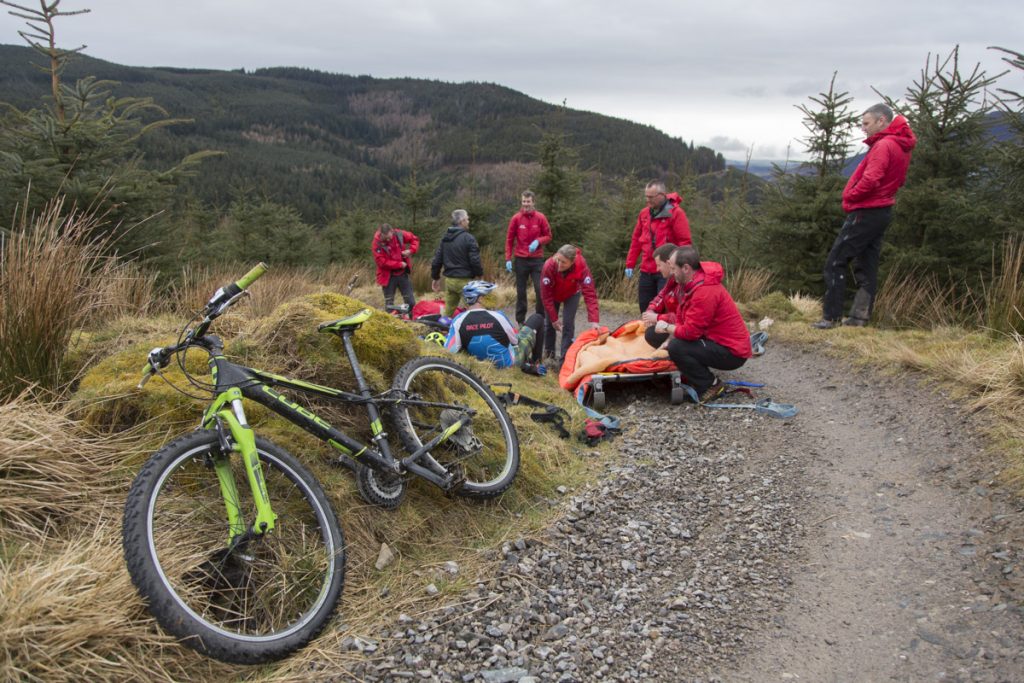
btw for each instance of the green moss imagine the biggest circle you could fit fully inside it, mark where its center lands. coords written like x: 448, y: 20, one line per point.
x: 775, y: 305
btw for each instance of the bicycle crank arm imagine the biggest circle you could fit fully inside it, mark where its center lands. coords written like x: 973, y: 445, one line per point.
x: 445, y: 483
x: 433, y: 443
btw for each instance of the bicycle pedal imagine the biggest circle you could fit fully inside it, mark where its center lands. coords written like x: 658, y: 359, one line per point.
x: 458, y: 473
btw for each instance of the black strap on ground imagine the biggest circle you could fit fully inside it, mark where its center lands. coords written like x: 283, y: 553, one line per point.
x: 548, y: 413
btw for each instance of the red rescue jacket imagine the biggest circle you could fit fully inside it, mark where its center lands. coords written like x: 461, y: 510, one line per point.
x: 667, y: 301
x: 707, y: 310
x: 669, y: 224
x: 556, y: 286
x: 523, y: 229
x: 388, y: 256
x: 883, y: 170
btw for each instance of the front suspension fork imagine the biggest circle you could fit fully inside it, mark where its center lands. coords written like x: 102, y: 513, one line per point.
x: 243, y: 440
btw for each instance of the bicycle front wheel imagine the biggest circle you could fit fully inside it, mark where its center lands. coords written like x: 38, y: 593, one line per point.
x: 486, y: 451
x: 250, y: 602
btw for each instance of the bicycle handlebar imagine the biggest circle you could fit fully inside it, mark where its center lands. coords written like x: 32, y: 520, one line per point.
x: 225, y: 296
x: 257, y: 271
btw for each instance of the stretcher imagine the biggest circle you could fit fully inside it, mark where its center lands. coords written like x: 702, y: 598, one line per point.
x: 598, y: 358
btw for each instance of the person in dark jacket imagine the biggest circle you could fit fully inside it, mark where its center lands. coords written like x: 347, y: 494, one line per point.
x: 528, y: 232
x: 708, y: 331
x: 564, y: 279
x: 867, y: 200
x: 458, y: 255
x: 392, y: 252
x: 661, y: 222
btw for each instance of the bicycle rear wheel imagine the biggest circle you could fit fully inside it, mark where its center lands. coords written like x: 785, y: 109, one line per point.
x: 486, y: 451
x: 257, y: 601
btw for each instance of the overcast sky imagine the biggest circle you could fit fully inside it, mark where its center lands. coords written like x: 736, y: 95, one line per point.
x: 722, y: 73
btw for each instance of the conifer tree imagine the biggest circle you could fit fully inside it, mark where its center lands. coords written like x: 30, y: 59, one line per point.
x: 941, y: 223
x: 83, y: 143
x: 803, y: 211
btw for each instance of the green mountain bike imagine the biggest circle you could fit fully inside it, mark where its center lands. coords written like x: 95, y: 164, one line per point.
x: 233, y: 543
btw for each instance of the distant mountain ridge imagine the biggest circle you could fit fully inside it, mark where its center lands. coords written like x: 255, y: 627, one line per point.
x: 288, y: 130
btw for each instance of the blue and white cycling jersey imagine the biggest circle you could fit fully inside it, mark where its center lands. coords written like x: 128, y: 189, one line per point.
x: 487, y: 335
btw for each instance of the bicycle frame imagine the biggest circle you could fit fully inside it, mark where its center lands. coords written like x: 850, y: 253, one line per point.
x: 233, y: 382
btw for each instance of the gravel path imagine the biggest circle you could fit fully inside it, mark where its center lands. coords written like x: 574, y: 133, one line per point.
x: 859, y: 541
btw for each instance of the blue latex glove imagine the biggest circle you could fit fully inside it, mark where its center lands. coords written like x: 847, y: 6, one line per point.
x: 629, y: 273
x: 533, y: 246
x: 508, y: 266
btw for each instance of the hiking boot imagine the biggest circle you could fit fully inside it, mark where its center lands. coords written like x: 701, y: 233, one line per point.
x: 855, y: 322
x: 713, y: 392
x: 825, y: 324
x: 534, y: 369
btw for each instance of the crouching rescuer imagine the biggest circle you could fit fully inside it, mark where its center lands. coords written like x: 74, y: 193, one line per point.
x: 708, y: 331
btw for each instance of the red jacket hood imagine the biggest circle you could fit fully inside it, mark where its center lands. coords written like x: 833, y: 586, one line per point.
x: 899, y: 132
x: 713, y: 274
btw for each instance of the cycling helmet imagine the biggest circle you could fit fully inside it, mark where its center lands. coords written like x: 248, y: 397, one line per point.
x: 476, y: 289
x: 435, y: 338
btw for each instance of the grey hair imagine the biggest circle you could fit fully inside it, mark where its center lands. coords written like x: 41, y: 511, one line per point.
x: 880, y: 110
x: 656, y: 185
x: 458, y: 215
x: 568, y: 251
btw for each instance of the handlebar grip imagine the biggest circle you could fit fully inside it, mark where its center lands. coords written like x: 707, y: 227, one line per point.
x: 252, y: 275
x: 147, y: 373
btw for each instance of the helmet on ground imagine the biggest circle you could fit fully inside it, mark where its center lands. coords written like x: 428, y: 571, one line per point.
x: 476, y: 289
x: 435, y: 338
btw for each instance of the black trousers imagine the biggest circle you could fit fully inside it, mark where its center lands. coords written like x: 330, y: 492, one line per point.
x: 527, y: 268
x: 860, y: 241
x: 648, y: 287
x: 536, y: 323
x: 693, y: 358
x: 568, y: 326
x: 403, y: 283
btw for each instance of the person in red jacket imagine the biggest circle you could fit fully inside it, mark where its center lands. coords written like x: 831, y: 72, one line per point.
x: 564, y: 278
x: 528, y: 232
x: 663, y: 306
x: 662, y: 221
x: 709, y: 331
x: 392, y: 252
x: 867, y: 201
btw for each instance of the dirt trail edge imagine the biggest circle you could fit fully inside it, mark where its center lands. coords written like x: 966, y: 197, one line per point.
x: 859, y: 541
x: 910, y: 562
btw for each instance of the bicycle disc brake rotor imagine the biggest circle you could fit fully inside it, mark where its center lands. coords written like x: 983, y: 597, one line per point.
x: 464, y: 439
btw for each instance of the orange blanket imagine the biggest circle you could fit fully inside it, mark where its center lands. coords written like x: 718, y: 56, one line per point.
x: 624, y: 350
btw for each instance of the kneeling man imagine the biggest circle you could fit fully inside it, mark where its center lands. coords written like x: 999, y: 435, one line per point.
x: 709, y: 331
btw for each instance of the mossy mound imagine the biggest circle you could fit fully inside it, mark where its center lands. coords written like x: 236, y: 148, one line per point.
x: 286, y: 342
x: 775, y: 305
x: 289, y: 338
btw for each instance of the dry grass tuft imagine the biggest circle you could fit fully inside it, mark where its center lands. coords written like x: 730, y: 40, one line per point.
x: 619, y: 287
x: 1004, y: 298
x: 52, y: 471
x: 912, y: 300
x: 807, y: 307
x: 51, y: 270
x: 68, y: 612
x: 749, y: 284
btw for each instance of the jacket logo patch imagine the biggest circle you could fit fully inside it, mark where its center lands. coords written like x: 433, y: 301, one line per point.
x: 587, y: 280
x: 547, y: 281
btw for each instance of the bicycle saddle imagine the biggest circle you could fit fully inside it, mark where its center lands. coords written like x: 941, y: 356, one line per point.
x: 348, y: 324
